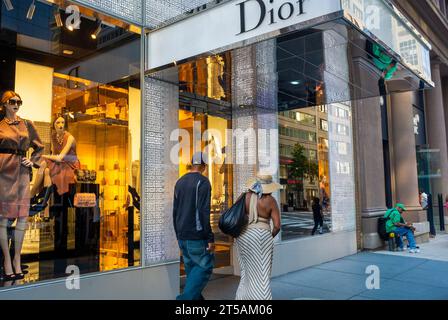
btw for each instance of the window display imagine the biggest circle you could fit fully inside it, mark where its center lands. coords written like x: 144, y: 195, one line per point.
x: 70, y: 158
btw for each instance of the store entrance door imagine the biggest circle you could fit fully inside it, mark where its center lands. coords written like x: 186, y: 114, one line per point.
x: 212, y: 128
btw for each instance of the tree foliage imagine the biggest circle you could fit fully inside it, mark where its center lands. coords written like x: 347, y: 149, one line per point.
x: 301, y: 167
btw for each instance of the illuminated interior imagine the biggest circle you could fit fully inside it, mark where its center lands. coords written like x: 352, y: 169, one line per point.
x: 94, y: 83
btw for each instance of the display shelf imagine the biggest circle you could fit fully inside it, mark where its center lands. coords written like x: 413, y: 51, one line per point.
x: 98, y: 118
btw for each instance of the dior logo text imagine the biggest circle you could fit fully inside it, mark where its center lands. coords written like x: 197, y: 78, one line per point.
x: 271, y: 11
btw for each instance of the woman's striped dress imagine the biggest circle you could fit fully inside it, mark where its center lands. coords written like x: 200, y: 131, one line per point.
x: 255, y: 249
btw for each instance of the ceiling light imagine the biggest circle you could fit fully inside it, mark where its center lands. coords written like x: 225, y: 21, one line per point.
x: 8, y: 5
x: 70, y: 28
x: 97, y: 31
x: 68, y: 52
x: 58, y: 18
x: 295, y: 83
x: 31, y: 9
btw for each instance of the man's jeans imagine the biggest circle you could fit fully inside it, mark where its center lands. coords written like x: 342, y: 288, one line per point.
x: 198, y: 264
x: 402, y: 231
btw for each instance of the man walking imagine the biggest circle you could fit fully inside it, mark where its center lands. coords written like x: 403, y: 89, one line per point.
x: 191, y: 218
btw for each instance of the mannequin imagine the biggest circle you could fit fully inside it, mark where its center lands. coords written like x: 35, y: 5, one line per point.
x: 61, y: 165
x: 58, y: 168
x: 16, y: 137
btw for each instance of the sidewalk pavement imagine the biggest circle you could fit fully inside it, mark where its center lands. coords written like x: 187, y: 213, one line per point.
x: 403, y: 276
x: 435, y: 249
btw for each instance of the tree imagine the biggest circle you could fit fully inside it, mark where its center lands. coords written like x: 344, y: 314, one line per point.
x: 301, y: 167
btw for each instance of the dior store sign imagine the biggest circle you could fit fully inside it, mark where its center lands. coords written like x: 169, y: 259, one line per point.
x: 228, y: 24
x: 268, y: 11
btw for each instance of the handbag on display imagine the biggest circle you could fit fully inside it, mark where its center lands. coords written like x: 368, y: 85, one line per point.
x: 92, y: 176
x: 85, y: 200
x: 80, y: 175
x: 234, y: 220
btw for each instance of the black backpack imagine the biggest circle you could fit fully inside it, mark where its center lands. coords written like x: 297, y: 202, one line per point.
x: 234, y: 219
x: 382, y: 226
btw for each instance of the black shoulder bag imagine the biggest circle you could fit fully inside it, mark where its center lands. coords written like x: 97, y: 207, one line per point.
x: 234, y: 220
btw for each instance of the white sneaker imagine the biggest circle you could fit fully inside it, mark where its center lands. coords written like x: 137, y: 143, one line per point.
x: 412, y: 251
x: 417, y: 250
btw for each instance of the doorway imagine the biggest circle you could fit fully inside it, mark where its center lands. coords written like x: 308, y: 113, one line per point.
x: 205, y: 111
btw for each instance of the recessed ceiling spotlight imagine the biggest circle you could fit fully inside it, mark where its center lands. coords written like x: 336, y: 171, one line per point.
x: 97, y: 31
x: 295, y: 83
x: 8, y: 5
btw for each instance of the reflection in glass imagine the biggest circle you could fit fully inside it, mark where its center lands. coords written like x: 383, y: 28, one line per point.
x: 304, y: 174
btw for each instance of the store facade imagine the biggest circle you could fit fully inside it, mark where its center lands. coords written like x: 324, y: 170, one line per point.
x: 268, y: 87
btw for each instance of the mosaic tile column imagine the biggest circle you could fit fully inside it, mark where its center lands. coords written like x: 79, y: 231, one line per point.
x: 254, y: 106
x: 267, y: 108
x: 243, y: 116
x: 342, y: 181
x: 160, y: 113
x: 254, y: 92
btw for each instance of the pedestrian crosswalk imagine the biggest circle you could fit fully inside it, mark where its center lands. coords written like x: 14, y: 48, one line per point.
x: 301, y: 223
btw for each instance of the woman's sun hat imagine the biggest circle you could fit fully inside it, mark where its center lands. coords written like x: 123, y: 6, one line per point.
x: 263, y: 184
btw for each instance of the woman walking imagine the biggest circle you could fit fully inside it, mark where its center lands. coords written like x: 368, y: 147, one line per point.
x: 255, y: 245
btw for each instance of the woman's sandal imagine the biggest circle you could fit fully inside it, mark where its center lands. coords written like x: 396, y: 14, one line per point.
x: 9, y: 277
x: 19, y: 276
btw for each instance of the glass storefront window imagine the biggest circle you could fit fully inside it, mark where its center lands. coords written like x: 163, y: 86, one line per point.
x: 319, y: 168
x: 79, y: 79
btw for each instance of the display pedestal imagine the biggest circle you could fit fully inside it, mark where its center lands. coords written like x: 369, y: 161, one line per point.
x: 87, y: 225
x: 85, y: 232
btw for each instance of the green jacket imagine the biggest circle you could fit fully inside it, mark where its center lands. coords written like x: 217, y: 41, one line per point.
x: 394, y: 217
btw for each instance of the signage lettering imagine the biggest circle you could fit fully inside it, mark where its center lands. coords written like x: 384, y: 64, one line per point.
x: 272, y: 9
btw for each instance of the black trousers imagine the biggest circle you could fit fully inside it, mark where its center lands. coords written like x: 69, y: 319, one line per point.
x: 318, y: 222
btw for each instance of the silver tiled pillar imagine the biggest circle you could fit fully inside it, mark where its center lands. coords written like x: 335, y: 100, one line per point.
x: 244, y: 116
x: 254, y: 92
x: 160, y: 113
x: 340, y: 138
